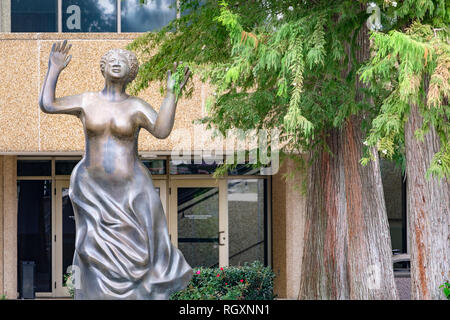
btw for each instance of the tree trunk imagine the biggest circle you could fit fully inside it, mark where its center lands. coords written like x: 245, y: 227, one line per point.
x: 427, y: 213
x: 347, y: 253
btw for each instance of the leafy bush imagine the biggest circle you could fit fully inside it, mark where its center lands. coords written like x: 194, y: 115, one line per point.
x: 68, y: 280
x: 446, y: 288
x: 248, y: 282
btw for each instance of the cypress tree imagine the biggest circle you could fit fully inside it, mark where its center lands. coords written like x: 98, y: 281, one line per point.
x: 296, y: 66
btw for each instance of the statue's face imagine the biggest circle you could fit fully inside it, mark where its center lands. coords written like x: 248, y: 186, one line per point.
x: 116, y: 67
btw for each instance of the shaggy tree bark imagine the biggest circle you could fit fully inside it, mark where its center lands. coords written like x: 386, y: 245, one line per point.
x: 347, y: 252
x: 428, y: 214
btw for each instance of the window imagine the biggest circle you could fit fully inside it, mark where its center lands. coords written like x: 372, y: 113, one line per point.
x: 65, y: 167
x: 29, y: 168
x: 152, y: 16
x: 157, y: 166
x: 34, y: 16
x: 192, y: 167
x: 244, y: 169
x: 89, y: 16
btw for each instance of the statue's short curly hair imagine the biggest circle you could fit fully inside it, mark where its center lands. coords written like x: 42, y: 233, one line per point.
x: 133, y: 63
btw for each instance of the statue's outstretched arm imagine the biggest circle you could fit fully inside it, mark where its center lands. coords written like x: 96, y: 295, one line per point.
x: 160, y: 124
x: 57, y: 61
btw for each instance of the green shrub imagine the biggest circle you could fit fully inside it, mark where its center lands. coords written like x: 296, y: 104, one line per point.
x: 68, y: 281
x: 446, y: 288
x: 248, y: 282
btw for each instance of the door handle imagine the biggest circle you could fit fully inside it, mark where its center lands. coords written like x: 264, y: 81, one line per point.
x: 219, y: 234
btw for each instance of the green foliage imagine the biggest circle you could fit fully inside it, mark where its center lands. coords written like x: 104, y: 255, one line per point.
x: 446, y: 289
x: 256, y: 284
x: 201, y: 41
x: 248, y: 282
x: 298, y: 62
x: 434, y: 11
x: 411, y: 67
x: 68, y: 281
x: 3, y: 297
x: 268, y: 72
x: 293, y: 66
x: 178, y: 78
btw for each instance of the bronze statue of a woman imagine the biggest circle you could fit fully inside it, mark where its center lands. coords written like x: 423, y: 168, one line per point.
x: 122, y: 248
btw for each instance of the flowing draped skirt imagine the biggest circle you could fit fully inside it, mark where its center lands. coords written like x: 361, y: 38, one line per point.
x: 122, y: 248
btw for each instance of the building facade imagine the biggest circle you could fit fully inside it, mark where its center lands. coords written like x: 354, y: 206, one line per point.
x: 244, y: 216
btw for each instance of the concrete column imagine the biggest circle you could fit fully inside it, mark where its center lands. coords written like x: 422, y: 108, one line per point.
x: 279, y: 232
x: 5, y: 16
x: 288, y: 207
x: 9, y: 226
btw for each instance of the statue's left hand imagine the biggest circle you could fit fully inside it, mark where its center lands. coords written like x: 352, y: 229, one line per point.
x: 171, y: 80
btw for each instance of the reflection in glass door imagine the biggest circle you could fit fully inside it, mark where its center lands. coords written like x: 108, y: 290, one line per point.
x: 65, y: 237
x: 160, y: 187
x: 68, y: 232
x: 34, y: 231
x: 198, y: 225
x: 198, y: 222
x: 246, y: 221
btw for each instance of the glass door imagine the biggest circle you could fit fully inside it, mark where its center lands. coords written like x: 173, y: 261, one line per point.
x: 64, y: 237
x: 161, y: 187
x: 34, y: 232
x: 198, y: 221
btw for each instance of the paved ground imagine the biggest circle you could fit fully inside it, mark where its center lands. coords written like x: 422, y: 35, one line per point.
x: 404, y: 288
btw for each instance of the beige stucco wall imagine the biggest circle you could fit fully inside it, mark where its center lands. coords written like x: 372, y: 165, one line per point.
x: 288, y: 210
x: 23, y: 65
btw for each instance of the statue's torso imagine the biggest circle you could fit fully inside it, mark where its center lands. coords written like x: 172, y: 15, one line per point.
x: 111, y: 130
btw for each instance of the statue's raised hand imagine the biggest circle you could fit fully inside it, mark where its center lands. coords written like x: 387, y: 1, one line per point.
x: 59, y: 59
x: 177, y: 80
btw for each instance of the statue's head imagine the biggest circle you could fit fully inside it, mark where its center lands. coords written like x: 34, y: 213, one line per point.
x: 119, y: 64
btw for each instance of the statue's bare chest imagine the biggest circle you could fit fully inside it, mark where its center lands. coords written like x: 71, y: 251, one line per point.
x: 117, y: 118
